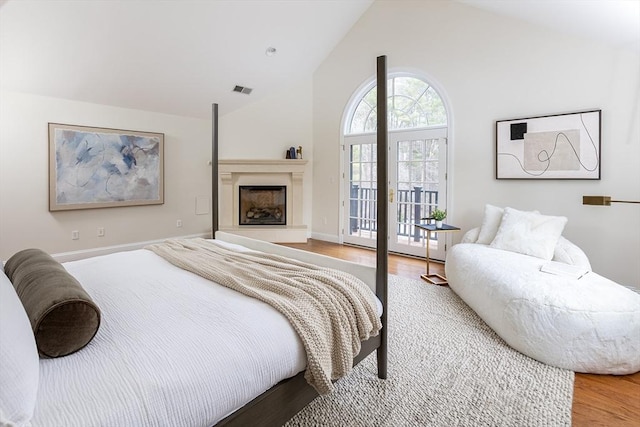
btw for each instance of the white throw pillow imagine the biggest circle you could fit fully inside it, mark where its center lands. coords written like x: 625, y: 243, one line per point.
x: 471, y: 236
x: 529, y: 233
x: 569, y: 253
x: 490, y: 224
x: 19, y: 362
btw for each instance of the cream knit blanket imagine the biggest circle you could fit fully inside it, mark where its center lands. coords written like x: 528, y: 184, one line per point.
x: 332, y: 311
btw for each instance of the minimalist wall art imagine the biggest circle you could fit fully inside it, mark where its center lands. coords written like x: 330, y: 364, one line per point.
x: 560, y: 146
x: 93, y: 167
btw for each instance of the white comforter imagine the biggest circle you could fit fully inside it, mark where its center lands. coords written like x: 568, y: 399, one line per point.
x: 173, y: 349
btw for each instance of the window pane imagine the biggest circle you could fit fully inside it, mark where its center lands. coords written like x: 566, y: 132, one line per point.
x: 417, y: 171
x: 433, y: 149
x: 404, y: 172
x: 366, y: 171
x: 411, y: 103
x: 366, y: 152
x: 417, y: 152
x: 404, y: 150
x: 355, y: 172
x: 434, y: 108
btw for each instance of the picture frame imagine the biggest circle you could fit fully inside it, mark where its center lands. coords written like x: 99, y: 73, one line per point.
x: 557, y: 146
x: 94, y: 167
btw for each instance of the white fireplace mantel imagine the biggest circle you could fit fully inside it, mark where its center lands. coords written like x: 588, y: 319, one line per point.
x: 290, y: 173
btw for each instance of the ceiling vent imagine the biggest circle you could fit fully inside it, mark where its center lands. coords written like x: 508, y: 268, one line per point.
x: 242, y: 89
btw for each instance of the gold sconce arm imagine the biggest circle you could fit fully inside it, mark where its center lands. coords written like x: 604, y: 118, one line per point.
x: 603, y: 200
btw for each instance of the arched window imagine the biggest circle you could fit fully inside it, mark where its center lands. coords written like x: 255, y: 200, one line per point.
x: 412, y: 103
x: 417, y: 124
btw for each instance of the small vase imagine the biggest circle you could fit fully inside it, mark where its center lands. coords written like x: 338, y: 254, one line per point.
x: 438, y: 224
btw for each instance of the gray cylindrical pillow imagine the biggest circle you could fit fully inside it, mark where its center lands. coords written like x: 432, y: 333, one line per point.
x: 63, y: 316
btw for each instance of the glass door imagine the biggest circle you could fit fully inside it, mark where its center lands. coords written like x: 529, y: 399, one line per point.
x: 361, y: 191
x: 417, y: 179
x: 417, y: 183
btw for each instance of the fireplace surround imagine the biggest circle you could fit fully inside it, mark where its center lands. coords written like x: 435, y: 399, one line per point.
x: 289, y: 173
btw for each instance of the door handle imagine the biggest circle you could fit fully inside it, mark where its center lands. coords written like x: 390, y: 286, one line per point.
x: 391, y: 195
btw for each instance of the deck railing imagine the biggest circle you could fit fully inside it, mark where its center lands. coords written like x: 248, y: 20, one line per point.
x: 412, y: 206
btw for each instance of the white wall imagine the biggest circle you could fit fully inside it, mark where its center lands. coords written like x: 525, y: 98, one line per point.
x: 266, y: 128
x: 490, y: 67
x: 25, y: 220
x: 494, y: 68
x: 260, y: 131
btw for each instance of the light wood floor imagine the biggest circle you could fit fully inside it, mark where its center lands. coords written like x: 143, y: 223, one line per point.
x: 598, y: 400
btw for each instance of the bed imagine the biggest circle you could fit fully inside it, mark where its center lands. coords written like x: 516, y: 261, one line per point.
x: 168, y: 345
x: 173, y: 348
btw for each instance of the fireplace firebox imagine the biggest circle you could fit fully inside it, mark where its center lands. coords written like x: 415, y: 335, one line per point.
x: 263, y: 205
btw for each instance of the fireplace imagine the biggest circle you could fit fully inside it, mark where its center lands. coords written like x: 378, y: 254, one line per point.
x: 263, y: 205
x: 289, y: 173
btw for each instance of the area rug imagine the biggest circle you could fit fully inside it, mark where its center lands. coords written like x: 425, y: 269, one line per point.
x: 446, y: 368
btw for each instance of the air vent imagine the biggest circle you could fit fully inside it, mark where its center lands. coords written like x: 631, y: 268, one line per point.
x: 242, y: 89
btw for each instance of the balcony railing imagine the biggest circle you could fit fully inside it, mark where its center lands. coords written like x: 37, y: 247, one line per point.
x: 412, y: 206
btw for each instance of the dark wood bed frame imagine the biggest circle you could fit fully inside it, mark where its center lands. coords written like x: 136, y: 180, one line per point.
x: 281, y: 402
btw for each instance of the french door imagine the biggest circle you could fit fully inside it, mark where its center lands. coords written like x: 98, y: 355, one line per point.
x: 417, y: 185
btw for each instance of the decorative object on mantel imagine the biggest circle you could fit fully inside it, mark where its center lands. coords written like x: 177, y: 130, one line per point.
x: 92, y: 167
x: 559, y: 146
x: 291, y: 153
x: 299, y: 152
x: 603, y: 200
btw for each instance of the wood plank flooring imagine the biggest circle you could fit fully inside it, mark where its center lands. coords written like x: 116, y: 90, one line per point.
x: 598, y: 400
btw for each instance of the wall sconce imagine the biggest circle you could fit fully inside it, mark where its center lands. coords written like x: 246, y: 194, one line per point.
x: 603, y: 200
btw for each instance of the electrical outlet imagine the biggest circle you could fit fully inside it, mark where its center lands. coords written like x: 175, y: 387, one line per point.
x: 100, y: 231
x: 179, y: 223
x: 75, y: 235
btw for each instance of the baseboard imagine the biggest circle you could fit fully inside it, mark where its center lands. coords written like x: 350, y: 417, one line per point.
x: 326, y: 237
x: 88, y: 253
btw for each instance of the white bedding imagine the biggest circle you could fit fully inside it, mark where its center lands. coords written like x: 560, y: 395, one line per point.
x: 172, y: 349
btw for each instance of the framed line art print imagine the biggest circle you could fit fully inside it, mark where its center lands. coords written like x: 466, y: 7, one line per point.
x: 91, y: 167
x: 559, y: 146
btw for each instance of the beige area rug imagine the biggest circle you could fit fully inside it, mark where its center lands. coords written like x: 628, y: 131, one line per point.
x: 446, y: 368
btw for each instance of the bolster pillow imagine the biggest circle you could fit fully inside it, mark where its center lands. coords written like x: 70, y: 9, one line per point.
x: 63, y: 317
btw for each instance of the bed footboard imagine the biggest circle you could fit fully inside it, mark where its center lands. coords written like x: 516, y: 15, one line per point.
x: 365, y: 273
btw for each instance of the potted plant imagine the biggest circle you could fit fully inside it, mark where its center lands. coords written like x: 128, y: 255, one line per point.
x: 438, y: 215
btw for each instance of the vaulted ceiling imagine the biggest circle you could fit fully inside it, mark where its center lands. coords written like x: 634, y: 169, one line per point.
x: 178, y: 57
x: 167, y: 56
x: 616, y: 22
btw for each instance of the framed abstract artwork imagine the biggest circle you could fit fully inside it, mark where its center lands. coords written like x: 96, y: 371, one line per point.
x: 559, y: 146
x: 92, y: 167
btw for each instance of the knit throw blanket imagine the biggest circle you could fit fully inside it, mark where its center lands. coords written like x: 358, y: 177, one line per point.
x: 332, y: 311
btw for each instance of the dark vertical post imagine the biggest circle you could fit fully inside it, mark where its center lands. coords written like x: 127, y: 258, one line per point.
x: 214, y: 170
x: 417, y: 211
x: 383, y: 212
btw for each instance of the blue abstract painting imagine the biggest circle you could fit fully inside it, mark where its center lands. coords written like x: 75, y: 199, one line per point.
x: 97, y: 167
